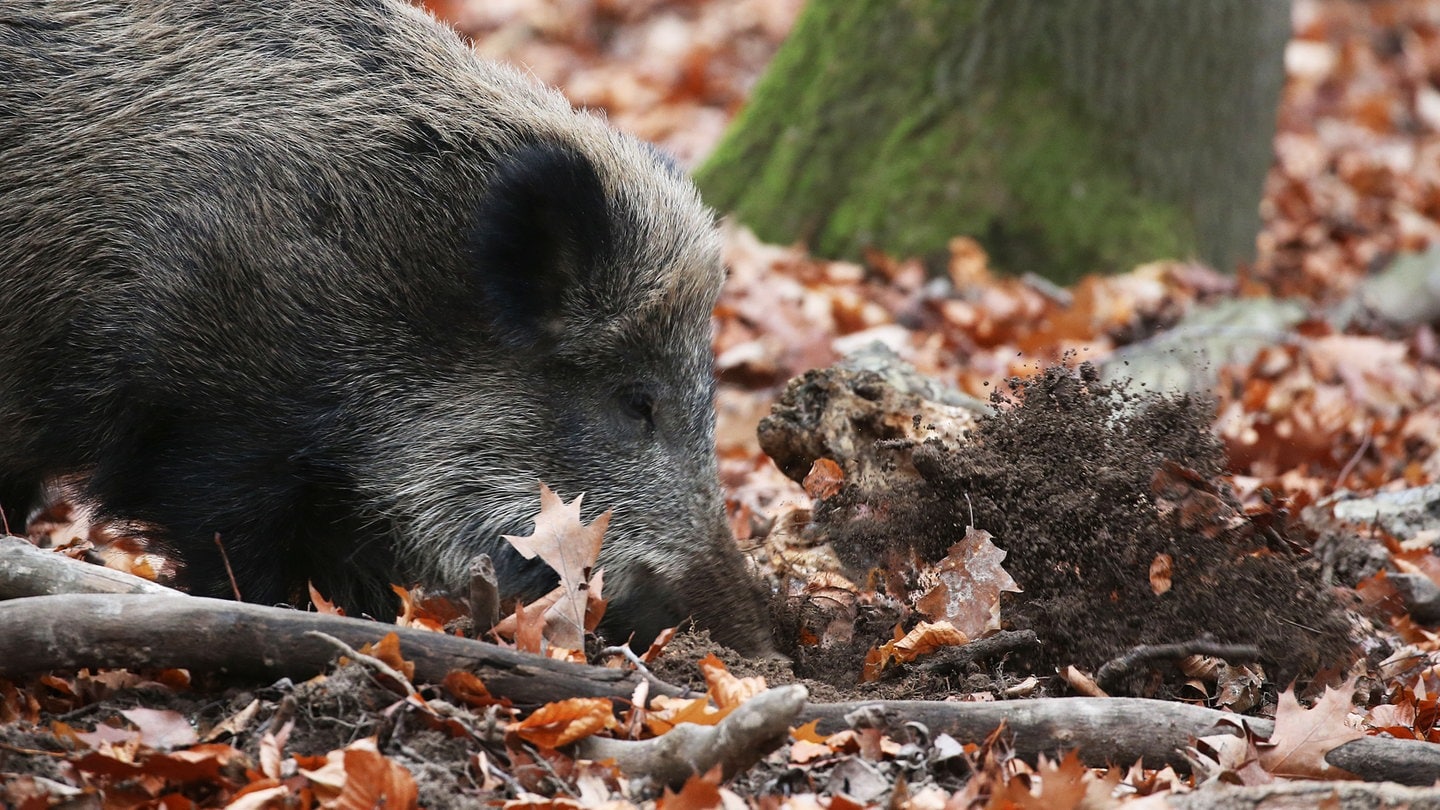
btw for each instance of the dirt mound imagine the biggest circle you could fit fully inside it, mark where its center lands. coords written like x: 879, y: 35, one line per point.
x: 1117, y: 522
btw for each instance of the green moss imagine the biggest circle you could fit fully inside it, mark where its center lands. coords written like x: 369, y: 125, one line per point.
x: 841, y: 147
x: 1071, y: 189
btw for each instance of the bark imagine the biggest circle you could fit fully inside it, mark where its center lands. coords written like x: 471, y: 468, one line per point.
x: 1306, y: 796
x: 751, y: 731
x: 29, y: 571
x: 1069, y: 137
x: 1124, y: 730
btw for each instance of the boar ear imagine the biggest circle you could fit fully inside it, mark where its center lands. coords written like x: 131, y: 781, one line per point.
x: 542, y: 233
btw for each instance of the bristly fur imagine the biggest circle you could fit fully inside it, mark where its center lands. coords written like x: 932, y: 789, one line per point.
x: 311, y: 276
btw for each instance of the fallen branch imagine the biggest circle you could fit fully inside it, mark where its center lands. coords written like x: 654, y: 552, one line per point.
x: 164, y: 628
x: 1306, y: 795
x: 754, y: 729
x: 1119, y: 667
x: 42, y: 633
x: 29, y: 571
x: 954, y: 659
x: 1122, y: 730
x: 396, y: 677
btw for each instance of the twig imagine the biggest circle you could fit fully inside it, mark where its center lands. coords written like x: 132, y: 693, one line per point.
x: 628, y: 654
x: 225, y: 558
x: 981, y: 649
x: 1119, y: 667
x: 1355, y: 458
x: 368, y: 660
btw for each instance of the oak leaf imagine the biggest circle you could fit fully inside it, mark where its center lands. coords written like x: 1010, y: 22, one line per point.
x: 927, y: 637
x: 1303, y: 737
x: 971, y: 580
x: 565, y: 543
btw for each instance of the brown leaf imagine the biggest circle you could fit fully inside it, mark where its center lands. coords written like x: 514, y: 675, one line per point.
x: 563, y: 542
x: 925, y: 638
x: 1303, y: 736
x: 1062, y: 785
x: 1161, y: 569
x: 565, y: 721
x: 824, y: 479
x: 161, y: 728
x: 803, y: 752
x: 658, y: 645
x: 561, y: 539
x: 971, y: 580
x: 529, y: 629
x: 700, y: 792
x: 387, y: 649
x: 725, y: 689
x: 468, y: 688
x: 323, y: 605
x: 808, y: 733
x: 372, y: 780
x: 667, y: 712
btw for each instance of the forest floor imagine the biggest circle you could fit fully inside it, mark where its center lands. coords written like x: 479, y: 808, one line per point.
x: 1248, y: 522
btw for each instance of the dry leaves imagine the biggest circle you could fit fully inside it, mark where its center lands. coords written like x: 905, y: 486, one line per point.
x: 1357, y: 176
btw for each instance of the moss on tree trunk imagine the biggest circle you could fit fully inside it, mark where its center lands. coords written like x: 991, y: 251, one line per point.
x: 1069, y: 136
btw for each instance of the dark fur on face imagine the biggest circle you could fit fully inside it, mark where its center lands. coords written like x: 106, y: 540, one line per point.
x: 310, y: 276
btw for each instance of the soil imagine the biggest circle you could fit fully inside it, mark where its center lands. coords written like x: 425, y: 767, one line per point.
x: 1086, y: 486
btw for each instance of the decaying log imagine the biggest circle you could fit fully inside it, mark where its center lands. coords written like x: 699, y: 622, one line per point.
x: 1306, y: 796
x: 41, y: 633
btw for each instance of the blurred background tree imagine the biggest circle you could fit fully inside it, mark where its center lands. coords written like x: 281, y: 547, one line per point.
x: 1068, y: 136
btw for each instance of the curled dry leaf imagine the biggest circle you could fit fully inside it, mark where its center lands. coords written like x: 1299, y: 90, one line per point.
x: 824, y: 479
x: 563, y: 722
x: 725, y: 689
x: 468, y: 688
x: 411, y: 614
x: 667, y: 713
x: 323, y: 605
x: 372, y: 780
x: 807, y: 733
x: 387, y: 650
x: 925, y: 638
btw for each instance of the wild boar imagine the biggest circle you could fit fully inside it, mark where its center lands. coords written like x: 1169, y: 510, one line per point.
x: 309, y: 278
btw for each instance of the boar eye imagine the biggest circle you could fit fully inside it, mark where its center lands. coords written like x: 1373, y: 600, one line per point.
x: 638, y: 404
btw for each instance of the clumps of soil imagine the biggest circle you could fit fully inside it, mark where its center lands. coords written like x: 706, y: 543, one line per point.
x: 1089, y: 488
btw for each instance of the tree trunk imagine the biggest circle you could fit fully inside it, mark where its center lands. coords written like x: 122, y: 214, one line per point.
x: 1068, y: 136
